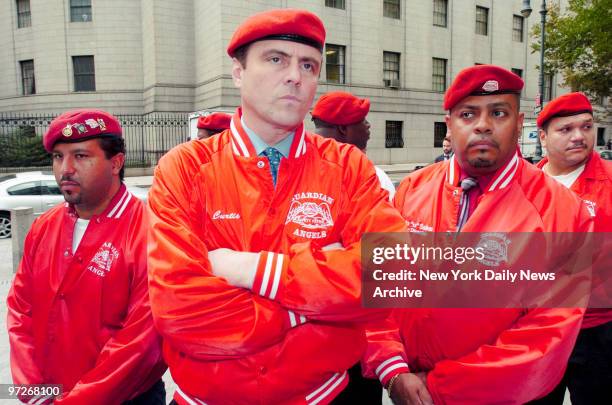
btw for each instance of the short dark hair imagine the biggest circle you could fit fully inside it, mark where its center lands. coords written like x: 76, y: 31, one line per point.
x: 241, y: 54
x: 112, y: 145
x: 319, y: 123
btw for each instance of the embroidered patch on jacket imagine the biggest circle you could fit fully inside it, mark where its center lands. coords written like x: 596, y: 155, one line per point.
x: 495, y: 248
x: 225, y: 215
x: 103, y: 259
x: 415, y: 226
x: 311, y: 211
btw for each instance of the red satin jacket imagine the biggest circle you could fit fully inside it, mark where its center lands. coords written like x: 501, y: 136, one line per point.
x: 291, y: 339
x: 481, y: 356
x: 594, y: 186
x: 82, y: 319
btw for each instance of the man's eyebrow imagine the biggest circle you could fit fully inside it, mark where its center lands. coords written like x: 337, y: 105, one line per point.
x: 500, y: 104
x: 275, y: 51
x: 467, y: 106
x: 309, y: 59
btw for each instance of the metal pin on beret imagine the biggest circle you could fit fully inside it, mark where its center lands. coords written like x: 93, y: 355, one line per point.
x: 482, y: 80
x: 564, y: 106
x: 341, y: 108
x: 81, y: 125
x: 214, y: 121
x: 286, y: 24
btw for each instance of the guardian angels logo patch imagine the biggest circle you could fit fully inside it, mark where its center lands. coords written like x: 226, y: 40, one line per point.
x: 103, y: 259
x: 495, y: 248
x: 490, y: 86
x: 310, y: 215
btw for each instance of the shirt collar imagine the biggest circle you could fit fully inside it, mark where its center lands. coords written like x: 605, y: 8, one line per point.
x: 499, y: 180
x: 116, y: 206
x: 283, y: 146
x: 243, y: 146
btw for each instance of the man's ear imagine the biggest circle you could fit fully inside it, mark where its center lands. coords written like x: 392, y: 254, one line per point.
x: 542, y: 135
x: 117, y: 162
x: 448, y: 131
x: 519, y: 125
x: 237, y: 70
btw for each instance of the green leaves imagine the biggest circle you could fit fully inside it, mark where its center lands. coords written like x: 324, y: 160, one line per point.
x: 579, y: 45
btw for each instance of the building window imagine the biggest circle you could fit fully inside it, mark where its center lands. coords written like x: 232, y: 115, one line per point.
x: 335, y: 4
x: 548, y: 84
x: 391, y: 8
x: 439, y: 133
x: 601, y: 136
x: 28, y: 85
x: 391, y: 69
x: 482, y: 20
x: 517, y: 28
x: 393, y: 134
x: 80, y: 10
x: 518, y: 72
x: 24, y: 18
x: 438, y: 76
x: 334, y: 63
x: 84, y: 73
x: 439, y: 12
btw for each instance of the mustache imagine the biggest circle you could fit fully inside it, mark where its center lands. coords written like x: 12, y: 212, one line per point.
x: 67, y: 178
x: 580, y: 145
x: 473, y: 142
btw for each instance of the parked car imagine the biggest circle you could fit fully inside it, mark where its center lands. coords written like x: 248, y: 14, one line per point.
x: 38, y: 190
x: 606, y: 154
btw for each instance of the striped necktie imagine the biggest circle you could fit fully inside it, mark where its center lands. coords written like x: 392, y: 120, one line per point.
x: 274, y: 157
x: 466, y: 184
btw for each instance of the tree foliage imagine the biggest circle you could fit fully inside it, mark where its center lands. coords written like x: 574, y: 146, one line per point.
x: 23, y: 148
x: 579, y: 45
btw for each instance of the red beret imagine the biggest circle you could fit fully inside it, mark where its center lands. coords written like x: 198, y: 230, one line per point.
x: 481, y: 80
x: 563, y: 106
x: 81, y: 125
x: 341, y: 108
x: 288, y: 24
x: 216, y: 120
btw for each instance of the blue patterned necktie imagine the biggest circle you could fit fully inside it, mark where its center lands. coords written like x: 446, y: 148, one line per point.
x: 274, y: 157
x: 466, y: 184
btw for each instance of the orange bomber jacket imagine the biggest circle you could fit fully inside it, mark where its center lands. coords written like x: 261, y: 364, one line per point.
x: 482, y: 355
x: 594, y: 186
x: 292, y: 337
x: 82, y: 319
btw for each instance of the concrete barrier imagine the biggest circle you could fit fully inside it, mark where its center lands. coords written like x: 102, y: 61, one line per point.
x: 21, y: 220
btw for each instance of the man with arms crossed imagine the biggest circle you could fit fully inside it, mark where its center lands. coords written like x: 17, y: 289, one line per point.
x: 78, y: 310
x: 479, y: 356
x: 254, y: 248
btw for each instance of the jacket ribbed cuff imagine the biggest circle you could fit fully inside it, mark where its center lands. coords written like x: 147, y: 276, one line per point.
x: 269, y: 272
x: 391, y: 367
